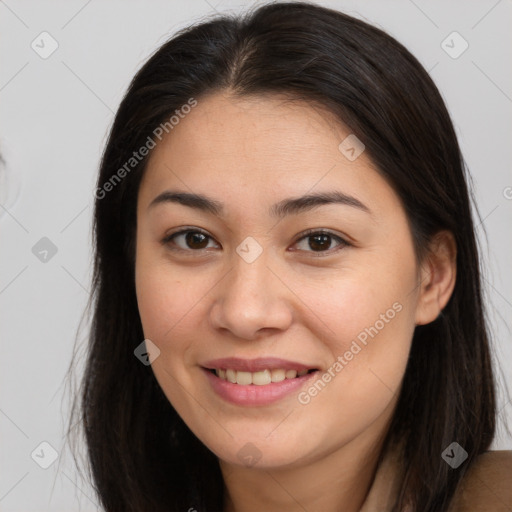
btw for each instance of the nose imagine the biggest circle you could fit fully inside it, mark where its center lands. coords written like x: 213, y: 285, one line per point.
x: 252, y: 300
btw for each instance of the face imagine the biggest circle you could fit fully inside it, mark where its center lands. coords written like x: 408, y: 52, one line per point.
x: 278, y: 284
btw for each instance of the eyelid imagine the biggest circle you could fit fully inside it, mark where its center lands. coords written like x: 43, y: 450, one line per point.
x: 343, y: 242
x: 180, y: 231
x: 305, y: 234
x: 184, y: 229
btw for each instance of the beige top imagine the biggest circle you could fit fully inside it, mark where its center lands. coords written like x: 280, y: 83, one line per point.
x: 487, y: 486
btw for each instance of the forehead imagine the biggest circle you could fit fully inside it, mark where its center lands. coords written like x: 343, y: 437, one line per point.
x: 262, y: 127
x: 257, y: 149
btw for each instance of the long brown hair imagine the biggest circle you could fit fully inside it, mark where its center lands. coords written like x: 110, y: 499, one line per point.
x: 142, y: 455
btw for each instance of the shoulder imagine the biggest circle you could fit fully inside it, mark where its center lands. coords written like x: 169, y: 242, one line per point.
x: 487, y: 485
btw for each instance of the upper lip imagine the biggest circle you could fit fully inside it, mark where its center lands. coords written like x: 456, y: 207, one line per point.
x: 255, y: 365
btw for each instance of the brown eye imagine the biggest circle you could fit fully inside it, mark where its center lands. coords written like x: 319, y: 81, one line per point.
x: 320, y: 241
x: 188, y: 240
x: 196, y: 240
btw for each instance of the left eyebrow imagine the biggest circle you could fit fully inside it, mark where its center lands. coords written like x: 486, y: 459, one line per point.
x: 293, y: 206
x: 289, y: 206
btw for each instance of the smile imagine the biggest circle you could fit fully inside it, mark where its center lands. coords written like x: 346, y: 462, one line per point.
x: 246, y: 391
x: 260, y: 378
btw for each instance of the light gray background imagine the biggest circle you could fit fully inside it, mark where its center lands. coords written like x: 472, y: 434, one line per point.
x: 55, y: 117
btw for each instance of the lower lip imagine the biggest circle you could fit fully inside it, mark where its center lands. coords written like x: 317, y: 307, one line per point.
x: 252, y: 395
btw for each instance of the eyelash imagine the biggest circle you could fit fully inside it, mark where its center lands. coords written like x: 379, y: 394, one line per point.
x: 307, y: 234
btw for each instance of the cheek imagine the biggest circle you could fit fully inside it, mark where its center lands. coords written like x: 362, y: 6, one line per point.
x: 172, y: 305
x: 370, y: 331
x: 362, y: 299
x: 163, y: 301
x: 168, y: 308
x: 368, y: 314
x: 154, y: 301
x: 163, y: 296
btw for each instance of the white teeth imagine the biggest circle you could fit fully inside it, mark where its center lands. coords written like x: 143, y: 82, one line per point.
x: 291, y: 374
x: 261, y: 378
x: 278, y: 375
x: 243, y: 378
x: 230, y: 376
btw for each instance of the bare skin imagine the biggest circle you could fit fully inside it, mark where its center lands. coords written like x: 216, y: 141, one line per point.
x: 298, y: 300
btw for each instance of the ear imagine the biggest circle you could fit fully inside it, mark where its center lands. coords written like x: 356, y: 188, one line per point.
x: 438, y: 274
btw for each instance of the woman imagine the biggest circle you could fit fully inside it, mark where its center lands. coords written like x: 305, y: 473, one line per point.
x: 288, y: 310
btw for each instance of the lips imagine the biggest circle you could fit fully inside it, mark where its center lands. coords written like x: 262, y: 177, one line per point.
x: 251, y: 395
x: 245, y: 382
